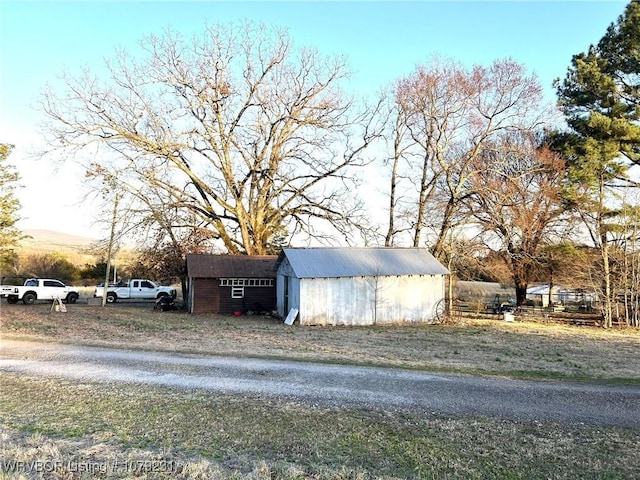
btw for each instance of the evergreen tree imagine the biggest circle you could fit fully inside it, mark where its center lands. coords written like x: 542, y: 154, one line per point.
x: 600, y: 97
x: 9, y: 206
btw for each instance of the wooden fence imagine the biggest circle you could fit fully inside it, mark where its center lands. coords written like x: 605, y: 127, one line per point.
x: 576, y: 316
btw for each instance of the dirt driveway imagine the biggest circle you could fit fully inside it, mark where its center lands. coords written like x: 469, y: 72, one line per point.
x: 323, y: 384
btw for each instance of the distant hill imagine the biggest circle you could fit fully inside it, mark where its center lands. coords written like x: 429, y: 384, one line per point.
x: 76, y: 248
x: 47, y: 241
x: 54, y: 240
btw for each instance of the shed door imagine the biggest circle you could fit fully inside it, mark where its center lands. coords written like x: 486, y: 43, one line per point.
x: 286, y: 294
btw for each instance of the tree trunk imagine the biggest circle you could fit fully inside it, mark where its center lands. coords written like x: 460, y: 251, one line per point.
x: 520, y: 271
x: 388, y: 241
x: 608, y: 304
x: 438, y: 247
x: 604, y: 251
x: 521, y: 291
x: 422, y: 203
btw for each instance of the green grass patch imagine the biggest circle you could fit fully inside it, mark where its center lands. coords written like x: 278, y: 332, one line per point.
x: 44, y: 329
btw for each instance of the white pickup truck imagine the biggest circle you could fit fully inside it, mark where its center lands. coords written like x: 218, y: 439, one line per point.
x: 39, y: 289
x: 136, y: 289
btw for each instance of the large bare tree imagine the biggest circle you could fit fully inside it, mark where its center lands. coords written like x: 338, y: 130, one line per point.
x: 235, y: 127
x: 517, y: 203
x: 451, y: 113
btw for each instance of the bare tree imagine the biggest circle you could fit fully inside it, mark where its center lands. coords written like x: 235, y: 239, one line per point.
x: 397, y: 134
x: 166, y: 259
x: 452, y: 112
x: 236, y: 128
x: 621, y: 277
x: 517, y: 203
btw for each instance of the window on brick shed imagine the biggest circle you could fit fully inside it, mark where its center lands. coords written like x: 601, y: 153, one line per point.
x: 237, y: 292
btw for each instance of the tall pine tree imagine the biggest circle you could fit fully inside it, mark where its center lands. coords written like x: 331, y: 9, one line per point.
x: 600, y: 97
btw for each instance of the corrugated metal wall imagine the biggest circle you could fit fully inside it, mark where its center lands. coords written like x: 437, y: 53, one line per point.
x: 369, y: 300
x: 288, y: 289
x: 337, y: 301
x: 409, y: 299
x: 290, y: 294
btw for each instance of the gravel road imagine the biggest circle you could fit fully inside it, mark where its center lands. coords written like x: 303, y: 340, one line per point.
x: 332, y: 385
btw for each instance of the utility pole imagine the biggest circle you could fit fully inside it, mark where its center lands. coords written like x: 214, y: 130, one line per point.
x: 110, y: 248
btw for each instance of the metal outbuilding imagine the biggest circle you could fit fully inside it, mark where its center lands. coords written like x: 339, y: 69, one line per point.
x: 227, y: 284
x: 359, y: 286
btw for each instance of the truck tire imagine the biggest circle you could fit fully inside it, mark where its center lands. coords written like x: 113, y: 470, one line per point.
x: 111, y: 297
x: 72, y: 297
x: 29, y: 298
x: 162, y: 294
x: 12, y: 299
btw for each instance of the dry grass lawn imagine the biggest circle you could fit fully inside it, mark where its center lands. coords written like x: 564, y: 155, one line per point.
x: 475, y: 346
x: 58, y: 429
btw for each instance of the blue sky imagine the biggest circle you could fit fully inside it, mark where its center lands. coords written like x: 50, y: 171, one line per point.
x: 382, y: 41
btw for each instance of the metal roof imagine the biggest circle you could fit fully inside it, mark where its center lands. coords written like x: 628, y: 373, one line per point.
x: 231, y: 266
x: 355, y: 262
